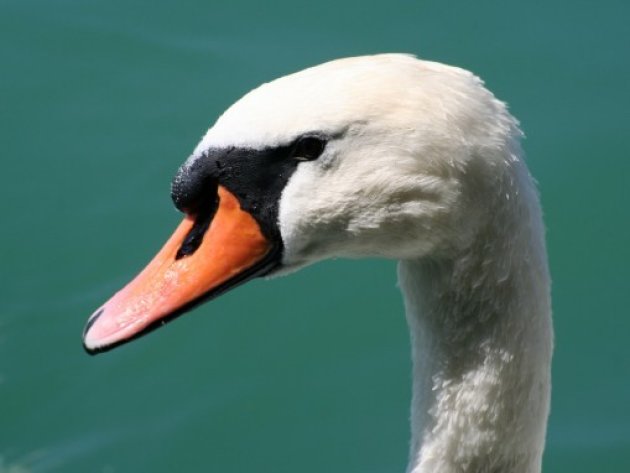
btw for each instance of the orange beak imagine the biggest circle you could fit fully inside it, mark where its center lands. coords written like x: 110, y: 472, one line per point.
x: 231, y: 251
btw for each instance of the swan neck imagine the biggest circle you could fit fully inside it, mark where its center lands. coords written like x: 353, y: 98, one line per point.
x: 481, y: 341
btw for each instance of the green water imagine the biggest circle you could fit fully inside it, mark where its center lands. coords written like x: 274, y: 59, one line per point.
x: 100, y: 101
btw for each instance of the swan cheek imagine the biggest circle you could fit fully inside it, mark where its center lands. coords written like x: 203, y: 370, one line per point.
x: 302, y: 217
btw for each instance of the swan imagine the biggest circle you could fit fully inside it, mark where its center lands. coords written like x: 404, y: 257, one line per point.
x: 379, y: 156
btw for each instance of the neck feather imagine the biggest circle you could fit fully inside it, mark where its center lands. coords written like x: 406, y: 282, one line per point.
x: 481, y: 339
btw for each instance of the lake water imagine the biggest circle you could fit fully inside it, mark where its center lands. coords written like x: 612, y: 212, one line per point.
x: 100, y: 103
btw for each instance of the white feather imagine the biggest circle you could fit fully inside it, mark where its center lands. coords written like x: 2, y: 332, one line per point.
x: 425, y: 167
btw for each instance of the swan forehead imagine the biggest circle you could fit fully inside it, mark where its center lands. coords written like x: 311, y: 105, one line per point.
x: 328, y: 98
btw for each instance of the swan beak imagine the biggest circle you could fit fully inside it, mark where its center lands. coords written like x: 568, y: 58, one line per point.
x: 198, y: 262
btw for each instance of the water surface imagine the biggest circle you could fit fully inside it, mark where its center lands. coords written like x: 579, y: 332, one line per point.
x: 101, y: 102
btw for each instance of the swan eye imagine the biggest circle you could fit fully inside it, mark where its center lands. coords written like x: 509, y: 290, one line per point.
x: 308, y: 148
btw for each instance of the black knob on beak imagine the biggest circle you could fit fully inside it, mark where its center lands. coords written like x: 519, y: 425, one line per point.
x: 194, y: 187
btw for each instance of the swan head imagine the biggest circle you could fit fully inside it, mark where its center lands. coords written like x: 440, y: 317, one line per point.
x: 385, y: 156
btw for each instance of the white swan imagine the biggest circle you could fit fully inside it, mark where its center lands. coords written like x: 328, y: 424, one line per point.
x: 384, y: 156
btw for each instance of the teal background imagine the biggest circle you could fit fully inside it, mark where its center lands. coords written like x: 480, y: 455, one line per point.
x: 100, y: 101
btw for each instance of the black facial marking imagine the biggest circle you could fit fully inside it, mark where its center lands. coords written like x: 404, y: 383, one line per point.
x: 194, y: 188
x: 203, y: 218
x: 256, y: 177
